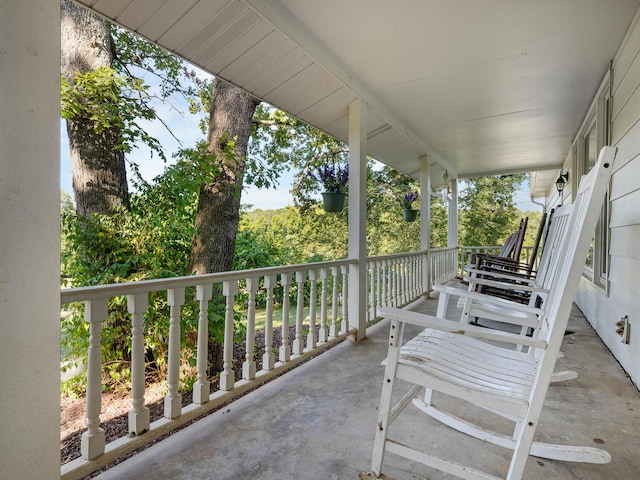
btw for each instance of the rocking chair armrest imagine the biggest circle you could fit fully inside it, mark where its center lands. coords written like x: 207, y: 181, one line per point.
x: 511, y: 268
x: 490, y: 299
x: 441, y: 324
x: 505, y: 285
x: 500, y: 274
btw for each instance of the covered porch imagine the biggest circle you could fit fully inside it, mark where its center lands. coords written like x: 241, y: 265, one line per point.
x: 318, y: 421
x: 484, y: 91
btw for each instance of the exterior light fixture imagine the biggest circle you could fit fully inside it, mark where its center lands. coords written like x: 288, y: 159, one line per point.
x: 561, y: 182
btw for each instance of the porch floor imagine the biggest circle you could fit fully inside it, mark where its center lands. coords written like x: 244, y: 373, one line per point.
x: 318, y: 421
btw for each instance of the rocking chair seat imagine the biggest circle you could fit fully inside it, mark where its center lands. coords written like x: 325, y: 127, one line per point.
x: 478, y: 367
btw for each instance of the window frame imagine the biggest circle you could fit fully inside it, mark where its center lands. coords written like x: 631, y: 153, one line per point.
x: 599, y: 117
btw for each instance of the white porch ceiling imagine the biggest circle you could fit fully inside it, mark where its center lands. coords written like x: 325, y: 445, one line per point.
x: 480, y: 86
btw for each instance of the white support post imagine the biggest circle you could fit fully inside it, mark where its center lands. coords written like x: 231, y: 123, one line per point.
x: 358, y: 216
x: 201, y: 385
x: 425, y: 219
x: 285, y: 351
x: 249, y: 365
x: 227, y: 376
x: 139, y: 418
x: 92, y: 442
x: 313, y: 299
x: 30, y: 239
x: 173, y: 399
x: 452, y: 238
x: 268, y: 360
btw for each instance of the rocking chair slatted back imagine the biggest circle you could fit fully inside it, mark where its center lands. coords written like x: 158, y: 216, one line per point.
x: 511, y: 288
x: 507, y: 382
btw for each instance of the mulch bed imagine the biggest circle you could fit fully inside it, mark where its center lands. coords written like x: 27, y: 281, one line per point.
x: 117, y: 426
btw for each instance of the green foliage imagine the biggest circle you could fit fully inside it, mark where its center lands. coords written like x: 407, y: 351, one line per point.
x: 282, y: 143
x: 173, y: 74
x: 152, y: 240
x: 107, y: 100
x: 487, y: 210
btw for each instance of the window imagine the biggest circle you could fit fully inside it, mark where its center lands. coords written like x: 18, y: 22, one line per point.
x: 592, y: 136
x: 589, y: 160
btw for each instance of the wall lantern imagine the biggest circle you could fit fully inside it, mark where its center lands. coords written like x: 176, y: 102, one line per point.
x: 561, y: 182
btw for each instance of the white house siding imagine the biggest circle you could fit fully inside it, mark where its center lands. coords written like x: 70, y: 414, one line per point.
x: 604, y: 309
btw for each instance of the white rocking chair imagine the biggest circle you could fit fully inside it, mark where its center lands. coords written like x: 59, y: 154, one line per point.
x: 482, y: 366
x: 487, y: 306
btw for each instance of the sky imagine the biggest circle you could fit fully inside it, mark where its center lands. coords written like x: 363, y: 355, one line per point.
x: 185, y: 127
x: 265, y: 199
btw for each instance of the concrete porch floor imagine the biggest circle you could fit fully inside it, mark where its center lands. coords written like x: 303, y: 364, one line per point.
x: 318, y: 421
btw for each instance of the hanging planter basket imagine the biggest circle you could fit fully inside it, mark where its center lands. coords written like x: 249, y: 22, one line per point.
x: 409, y: 215
x: 333, y: 201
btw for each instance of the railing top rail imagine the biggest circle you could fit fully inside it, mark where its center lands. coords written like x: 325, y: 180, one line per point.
x: 443, y: 249
x: 396, y: 255
x: 69, y: 295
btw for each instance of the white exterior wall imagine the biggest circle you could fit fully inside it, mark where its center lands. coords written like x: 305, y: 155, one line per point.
x: 604, y: 309
x: 29, y: 239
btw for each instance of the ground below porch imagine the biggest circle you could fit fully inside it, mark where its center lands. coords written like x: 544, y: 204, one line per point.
x: 318, y: 421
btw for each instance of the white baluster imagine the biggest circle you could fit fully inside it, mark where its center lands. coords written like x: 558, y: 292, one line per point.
x: 371, y: 290
x: 313, y: 299
x: 227, y: 376
x: 379, y: 283
x: 385, y: 286
x: 376, y: 289
x: 173, y: 400
x: 396, y: 284
x: 298, y: 342
x: 285, y: 351
x: 93, y: 440
x: 322, y: 333
x: 249, y: 365
x: 201, y: 385
x: 268, y: 359
x: 402, y: 267
x: 414, y: 282
x: 333, y: 330
x: 139, y: 419
x: 345, y: 299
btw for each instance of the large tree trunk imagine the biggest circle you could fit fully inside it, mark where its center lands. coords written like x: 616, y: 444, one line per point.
x: 97, y: 167
x: 219, y: 203
x: 218, y: 212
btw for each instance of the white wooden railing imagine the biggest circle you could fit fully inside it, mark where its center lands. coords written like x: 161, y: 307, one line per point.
x: 320, y: 290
